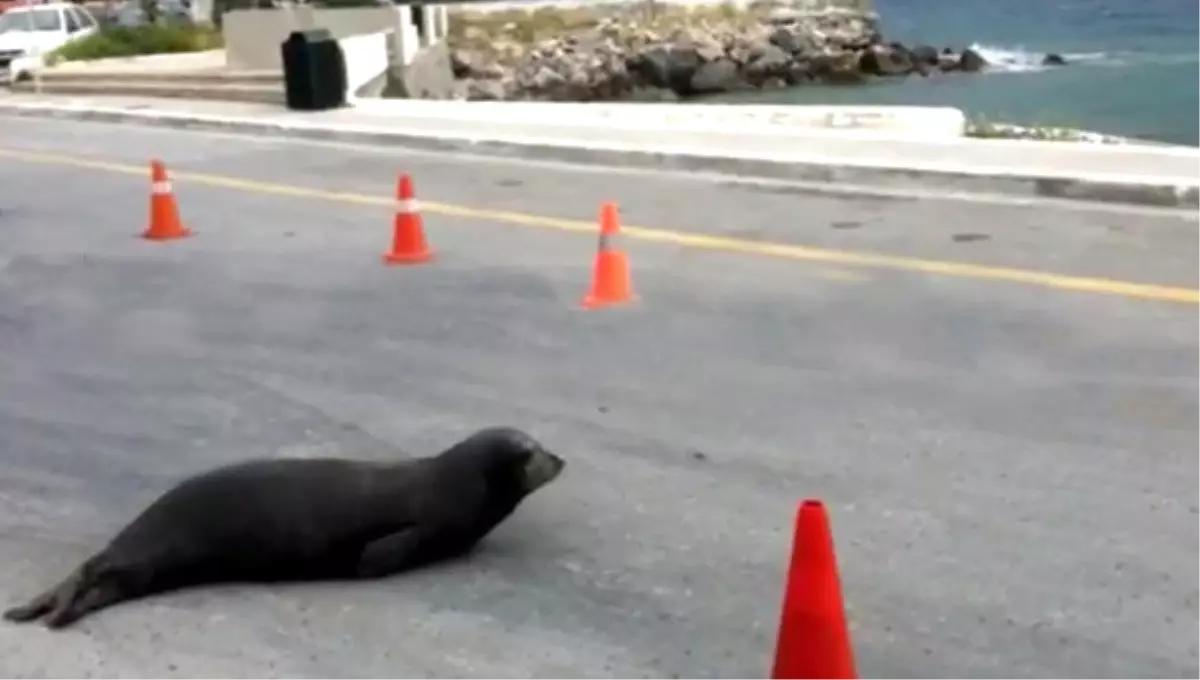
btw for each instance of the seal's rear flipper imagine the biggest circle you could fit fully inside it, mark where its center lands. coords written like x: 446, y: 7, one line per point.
x: 86, y: 600
x: 53, y: 598
x: 34, y: 609
x: 90, y: 587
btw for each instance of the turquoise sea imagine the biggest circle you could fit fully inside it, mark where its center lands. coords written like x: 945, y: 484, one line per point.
x: 1134, y: 64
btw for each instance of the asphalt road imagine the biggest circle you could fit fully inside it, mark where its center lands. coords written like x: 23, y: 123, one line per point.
x: 1010, y: 464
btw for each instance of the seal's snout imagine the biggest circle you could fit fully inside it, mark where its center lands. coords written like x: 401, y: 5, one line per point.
x: 524, y: 460
x: 541, y: 468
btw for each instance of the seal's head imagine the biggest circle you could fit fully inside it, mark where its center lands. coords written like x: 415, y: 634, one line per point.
x: 513, y: 460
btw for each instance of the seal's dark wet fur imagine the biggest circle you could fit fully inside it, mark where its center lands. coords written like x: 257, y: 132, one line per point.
x: 306, y: 519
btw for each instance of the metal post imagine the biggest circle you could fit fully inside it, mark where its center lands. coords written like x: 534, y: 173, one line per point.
x: 35, y: 50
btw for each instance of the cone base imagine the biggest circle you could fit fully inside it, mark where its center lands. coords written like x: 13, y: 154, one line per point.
x: 611, y: 284
x: 593, y: 301
x: 151, y: 235
x: 408, y: 258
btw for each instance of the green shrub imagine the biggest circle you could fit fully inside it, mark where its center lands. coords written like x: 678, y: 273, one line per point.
x: 981, y: 128
x: 129, y: 41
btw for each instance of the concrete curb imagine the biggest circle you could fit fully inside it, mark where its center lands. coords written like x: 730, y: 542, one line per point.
x: 1161, y: 194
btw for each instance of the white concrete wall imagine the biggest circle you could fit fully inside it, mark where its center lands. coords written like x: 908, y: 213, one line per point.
x: 253, y: 36
x: 410, y: 38
x: 366, y: 58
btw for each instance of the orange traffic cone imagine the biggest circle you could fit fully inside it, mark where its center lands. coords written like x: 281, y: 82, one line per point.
x: 164, y: 214
x: 814, y: 641
x: 408, y: 232
x: 610, y: 275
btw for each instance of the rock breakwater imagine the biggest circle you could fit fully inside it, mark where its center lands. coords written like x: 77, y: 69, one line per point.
x: 673, y: 52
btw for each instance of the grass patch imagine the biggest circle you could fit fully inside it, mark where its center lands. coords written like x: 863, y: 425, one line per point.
x: 981, y: 128
x: 130, y: 41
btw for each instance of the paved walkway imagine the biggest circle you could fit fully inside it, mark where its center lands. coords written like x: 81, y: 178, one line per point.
x: 1009, y: 462
x: 1135, y: 174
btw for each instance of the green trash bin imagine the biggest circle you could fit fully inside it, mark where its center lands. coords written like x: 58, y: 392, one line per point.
x: 314, y: 71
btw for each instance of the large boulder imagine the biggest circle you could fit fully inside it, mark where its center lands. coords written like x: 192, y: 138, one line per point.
x: 790, y: 41
x: 971, y: 62
x: 670, y: 67
x: 772, y: 63
x: 926, y: 55
x: 721, y: 75
x: 886, y: 60
x: 487, y: 90
x: 542, y: 82
x: 837, y: 68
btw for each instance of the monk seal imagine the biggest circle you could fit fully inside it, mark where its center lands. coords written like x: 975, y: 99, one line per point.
x: 306, y: 519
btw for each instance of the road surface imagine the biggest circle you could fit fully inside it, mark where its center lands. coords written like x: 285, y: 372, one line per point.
x: 1003, y: 426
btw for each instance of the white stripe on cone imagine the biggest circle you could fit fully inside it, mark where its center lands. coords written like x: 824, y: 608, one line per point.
x: 162, y: 187
x: 407, y: 206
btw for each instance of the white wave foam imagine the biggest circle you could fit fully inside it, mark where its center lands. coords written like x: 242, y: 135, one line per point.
x: 1017, y: 59
x: 1154, y: 58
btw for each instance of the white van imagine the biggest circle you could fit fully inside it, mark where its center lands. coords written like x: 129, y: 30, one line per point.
x: 29, y: 32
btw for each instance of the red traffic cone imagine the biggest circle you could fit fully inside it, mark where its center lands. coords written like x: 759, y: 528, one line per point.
x: 408, y: 232
x: 610, y: 273
x: 814, y: 640
x: 164, y: 214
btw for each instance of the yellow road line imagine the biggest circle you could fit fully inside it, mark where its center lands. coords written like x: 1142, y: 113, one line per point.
x: 963, y: 270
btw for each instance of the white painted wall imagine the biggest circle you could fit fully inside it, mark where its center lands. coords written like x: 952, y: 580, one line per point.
x: 253, y: 36
x: 366, y: 58
x: 409, y: 40
x: 367, y: 54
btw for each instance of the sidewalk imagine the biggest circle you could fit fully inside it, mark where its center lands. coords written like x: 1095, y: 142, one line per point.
x: 1132, y: 174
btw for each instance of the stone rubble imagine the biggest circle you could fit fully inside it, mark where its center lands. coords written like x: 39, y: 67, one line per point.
x: 623, y: 59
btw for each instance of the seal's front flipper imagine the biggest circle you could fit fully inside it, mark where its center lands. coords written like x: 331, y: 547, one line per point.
x: 405, y: 549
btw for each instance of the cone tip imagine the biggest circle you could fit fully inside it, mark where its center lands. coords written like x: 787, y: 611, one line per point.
x: 404, y: 186
x: 811, y: 511
x: 609, y: 217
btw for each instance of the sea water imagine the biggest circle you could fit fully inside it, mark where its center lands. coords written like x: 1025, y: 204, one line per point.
x: 1134, y: 65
